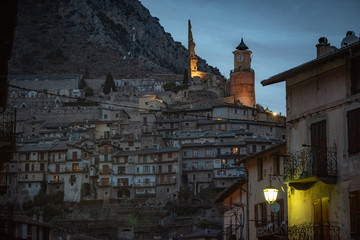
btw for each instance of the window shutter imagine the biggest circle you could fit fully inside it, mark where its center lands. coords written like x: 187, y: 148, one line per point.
x: 256, y: 214
x: 353, y: 118
x: 264, y: 215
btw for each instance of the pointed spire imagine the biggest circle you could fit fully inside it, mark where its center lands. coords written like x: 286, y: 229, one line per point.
x: 242, y: 45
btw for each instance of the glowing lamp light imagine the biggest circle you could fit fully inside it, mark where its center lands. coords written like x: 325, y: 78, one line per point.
x: 270, y: 194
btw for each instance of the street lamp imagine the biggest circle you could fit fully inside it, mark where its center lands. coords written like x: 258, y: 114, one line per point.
x: 270, y: 192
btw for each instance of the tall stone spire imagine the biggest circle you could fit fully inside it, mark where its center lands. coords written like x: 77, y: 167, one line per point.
x: 191, y: 47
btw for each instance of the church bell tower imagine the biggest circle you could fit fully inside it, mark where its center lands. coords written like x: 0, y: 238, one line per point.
x: 242, y: 78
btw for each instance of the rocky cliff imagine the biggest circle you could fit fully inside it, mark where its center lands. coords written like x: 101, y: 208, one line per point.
x: 98, y: 36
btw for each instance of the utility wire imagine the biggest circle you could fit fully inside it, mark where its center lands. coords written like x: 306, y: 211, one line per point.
x: 124, y: 106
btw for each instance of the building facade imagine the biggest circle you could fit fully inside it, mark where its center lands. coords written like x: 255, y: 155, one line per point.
x: 322, y: 170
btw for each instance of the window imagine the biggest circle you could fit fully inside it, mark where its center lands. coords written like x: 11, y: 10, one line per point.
x: 207, y: 152
x: 144, y: 159
x: 106, y: 169
x: 74, y: 155
x: 105, y: 116
x: 276, y: 162
x: 235, y: 150
x: 27, y: 167
x: 195, y: 153
x: 318, y: 146
x: 145, y: 121
x: 260, y: 214
x: 355, y: 75
x: 160, y: 169
x: 169, y: 168
x: 121, y: 170
x: 353, y: 118
x: 218, y: 111
x: 146, y: 169
x: 42, y: 156
x: 254, y: 148
x: 194, y: 166
x: 278, y: 217
x: 208, y: 165
x: 260, y: 168
x: 72, y: 179
x: 169, y: 155
x: 57, y: 168
x: 318, y: 135
x: 75, y: 167
x: 263, y: 147
x: 105, y: 182
x: 27, y: 156
x: 185, y: 153
x: 42, y: 166
x: 354, y: 199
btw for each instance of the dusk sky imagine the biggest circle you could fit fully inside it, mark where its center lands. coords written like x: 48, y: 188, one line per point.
x: 282, y: 34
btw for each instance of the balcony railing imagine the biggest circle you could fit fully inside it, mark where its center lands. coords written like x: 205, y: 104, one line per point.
x: 273, y: 227
x: 311, y: 162
x: 144, y: 184
x: 314, y: 232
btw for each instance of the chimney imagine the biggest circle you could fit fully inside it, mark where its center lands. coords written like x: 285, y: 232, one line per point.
x: 323, y: 47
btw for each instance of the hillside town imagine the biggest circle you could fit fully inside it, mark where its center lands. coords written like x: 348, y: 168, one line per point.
x: 184, y: 156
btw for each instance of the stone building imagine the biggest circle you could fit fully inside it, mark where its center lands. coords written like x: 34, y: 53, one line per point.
x: 322, y: 170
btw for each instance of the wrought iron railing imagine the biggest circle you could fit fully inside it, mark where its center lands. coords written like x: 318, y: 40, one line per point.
x: 275, y: 225
x: 311, y: 162
x: 308, y: 231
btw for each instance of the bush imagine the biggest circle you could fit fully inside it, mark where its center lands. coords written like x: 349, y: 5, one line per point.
x: 169, y: 86
x: 88, y: 91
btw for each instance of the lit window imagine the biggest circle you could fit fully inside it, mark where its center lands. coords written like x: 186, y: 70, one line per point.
x: 75, y: 167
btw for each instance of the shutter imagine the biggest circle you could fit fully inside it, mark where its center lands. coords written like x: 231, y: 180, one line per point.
x: 354, y: 130
x: 256, y: 214
x: 264, y: 215
x: 354, y: 211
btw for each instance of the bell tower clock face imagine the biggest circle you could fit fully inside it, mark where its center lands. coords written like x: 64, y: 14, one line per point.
x: 240, y: 58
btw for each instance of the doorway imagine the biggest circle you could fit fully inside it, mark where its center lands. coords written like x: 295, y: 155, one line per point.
x: 321, y: 219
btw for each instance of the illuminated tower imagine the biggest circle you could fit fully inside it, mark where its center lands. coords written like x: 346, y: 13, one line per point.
x: 193, y: 59
x: 242, y: 78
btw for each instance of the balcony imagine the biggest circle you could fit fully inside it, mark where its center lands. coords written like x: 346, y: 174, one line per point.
x: 56, y: 181
x: 230, y: 233
x: 201, y: 168
x: 309, y: 165
x: 74, y: 170
x: 144, y: 184
x: 274, y: 227
x: 314, y: 232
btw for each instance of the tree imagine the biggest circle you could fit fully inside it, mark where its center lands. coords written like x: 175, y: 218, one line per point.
x: 186, y: 77
x: 82, y: 83
x: 109, y: 84
x: 88, y: 91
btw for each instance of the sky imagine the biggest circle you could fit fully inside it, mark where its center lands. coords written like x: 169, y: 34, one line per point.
x: 281, y: 34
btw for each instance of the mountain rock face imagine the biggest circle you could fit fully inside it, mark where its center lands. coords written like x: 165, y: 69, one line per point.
x: 97, y: 36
